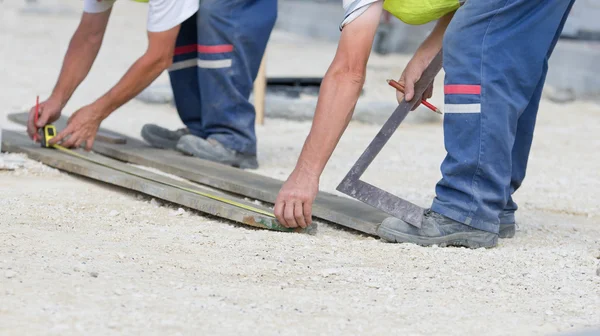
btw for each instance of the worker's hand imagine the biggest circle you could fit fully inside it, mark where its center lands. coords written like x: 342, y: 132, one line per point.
x: 81, y: 128
x: 49, y: 112
x: 293, y: 207
x: 410, y: 76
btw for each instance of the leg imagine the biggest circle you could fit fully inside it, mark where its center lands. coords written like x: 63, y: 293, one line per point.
x: 524, y: 135
x: 520, y: 156
x: 233, y: 35
x: 184, y: 82
x: 513, y: 39
x: 184, y: 77
x: 494, y: 51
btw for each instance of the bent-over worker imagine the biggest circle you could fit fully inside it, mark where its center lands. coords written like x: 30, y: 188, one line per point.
x: 495, y: 61
x: 164, y: 20
x: 213, y: 49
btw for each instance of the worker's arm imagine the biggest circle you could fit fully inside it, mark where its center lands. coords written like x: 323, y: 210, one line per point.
x: 339, y: 93
x: 421, y: 59
x: 84, y: 123
x: 80, y: 56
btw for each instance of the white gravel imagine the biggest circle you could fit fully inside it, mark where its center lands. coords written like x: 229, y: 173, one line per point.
x: 77, y: 256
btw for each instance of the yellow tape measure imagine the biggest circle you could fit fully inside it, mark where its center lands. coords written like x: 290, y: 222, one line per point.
x: 46, y: 133
x: 49, y: 131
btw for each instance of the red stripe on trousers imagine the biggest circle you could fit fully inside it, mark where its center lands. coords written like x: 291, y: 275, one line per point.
x: 204, y: 49
x: 462, y: 89
x: 215, y: 49
x: 185, y: 49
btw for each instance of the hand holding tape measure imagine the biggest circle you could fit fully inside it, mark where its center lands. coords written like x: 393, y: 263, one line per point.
x: 45, y: 133
x: 81, y: 130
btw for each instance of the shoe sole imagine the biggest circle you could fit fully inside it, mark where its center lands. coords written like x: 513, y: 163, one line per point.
x: 242, y: 164
x: 507, y: 230
x: 158, y: 142
x: 472, y: 240
x: 247, y: 165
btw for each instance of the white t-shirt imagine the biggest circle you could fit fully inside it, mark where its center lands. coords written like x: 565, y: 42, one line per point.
x: 354, y: 9
x: 162, y: 14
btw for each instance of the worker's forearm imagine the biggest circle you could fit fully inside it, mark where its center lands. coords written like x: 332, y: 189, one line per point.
x: 337, y: 99
x: 77, y: 63
x: 433, y: 43
x: 141, y: 74
x: 80, y: 56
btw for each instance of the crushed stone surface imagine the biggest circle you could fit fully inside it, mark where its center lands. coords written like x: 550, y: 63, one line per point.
x: 78, y: 256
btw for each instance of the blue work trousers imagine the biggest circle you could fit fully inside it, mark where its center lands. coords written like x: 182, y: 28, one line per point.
x: 495, y: 58
x: 217, y: 56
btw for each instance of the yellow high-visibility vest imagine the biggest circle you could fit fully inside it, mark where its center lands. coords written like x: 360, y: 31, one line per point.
x: 418, y: 12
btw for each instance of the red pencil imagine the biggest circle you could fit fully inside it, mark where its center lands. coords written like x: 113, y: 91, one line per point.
x: 400, y: 88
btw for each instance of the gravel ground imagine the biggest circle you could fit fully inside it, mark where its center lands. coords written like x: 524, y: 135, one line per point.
x: 78, y: 256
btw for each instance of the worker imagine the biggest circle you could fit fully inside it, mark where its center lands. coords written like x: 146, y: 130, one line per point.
x: 216, y: 60
x: 229, y: 132
x: 495, y: 61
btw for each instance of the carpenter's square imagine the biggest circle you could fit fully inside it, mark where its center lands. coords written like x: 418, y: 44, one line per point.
x: 352, y: 186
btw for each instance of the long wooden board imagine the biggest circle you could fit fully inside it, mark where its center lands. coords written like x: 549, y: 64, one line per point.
x: 340, y: 210
x: 145, y: 182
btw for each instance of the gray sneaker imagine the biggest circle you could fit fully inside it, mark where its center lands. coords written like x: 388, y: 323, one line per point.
x: 435, y: 229
x: 212, y: 150
x: 161, y: 137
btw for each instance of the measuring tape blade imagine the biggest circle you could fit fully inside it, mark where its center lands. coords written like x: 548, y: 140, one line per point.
x: 207, y: 195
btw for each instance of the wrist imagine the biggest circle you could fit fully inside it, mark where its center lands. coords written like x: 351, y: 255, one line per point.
x: 104, y: 107
x: 60, y: 98
x: 100, y: 110
x: 307, y: 170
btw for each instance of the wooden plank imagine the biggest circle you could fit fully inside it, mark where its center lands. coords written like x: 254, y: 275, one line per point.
x: 17, y: 142
x: 260, y: 91
x: 102, y: 136
x: 339, y: 210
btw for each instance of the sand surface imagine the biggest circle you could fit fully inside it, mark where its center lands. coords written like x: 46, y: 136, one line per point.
x: 78, y: 256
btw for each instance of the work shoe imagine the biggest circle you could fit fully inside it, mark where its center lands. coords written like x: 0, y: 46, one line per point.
x: 508, y: 227
x: 435, y: 230
x: 161, y: 137
x: 212, y: 150
x: 507, y: 230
